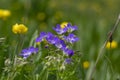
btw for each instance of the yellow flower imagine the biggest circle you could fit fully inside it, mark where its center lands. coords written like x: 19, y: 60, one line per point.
x: 112, y: 45
x: 86, y: 64
x: 64, y: 24
x: 19, y: 29
x: 4, y: 13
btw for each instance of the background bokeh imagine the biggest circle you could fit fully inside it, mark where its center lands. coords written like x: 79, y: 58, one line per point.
x: 94, y: 18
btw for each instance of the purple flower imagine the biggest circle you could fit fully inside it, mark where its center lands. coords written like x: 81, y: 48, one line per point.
x: 68, y: 60
x: 60, y: 44
x: 71, y: 38
x: 67, y: 51
x: 71, y: 28
x: 28, y: 51
x: 41, y: 37
x: 68, y: 28
x: 51, y: 38
x: 60, y: 30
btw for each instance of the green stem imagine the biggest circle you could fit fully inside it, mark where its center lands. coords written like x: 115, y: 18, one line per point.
x: 102, y: 48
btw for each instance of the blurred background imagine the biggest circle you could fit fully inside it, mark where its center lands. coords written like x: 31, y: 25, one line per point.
x: 94, y: 18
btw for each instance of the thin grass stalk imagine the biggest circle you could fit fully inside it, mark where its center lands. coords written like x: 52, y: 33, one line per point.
x: 102, y: 48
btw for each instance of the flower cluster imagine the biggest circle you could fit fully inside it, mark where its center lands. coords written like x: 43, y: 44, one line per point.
x: 19, y: 29
x: 60, y: 40
x: 4, y: 13
x: 28, y: 51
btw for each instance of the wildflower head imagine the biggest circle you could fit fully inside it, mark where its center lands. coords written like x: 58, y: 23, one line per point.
x: 4, y: 13
x: 64, y: 24
x: 19, y: 29
x: 71, y: 38
x: 60, y: 30
x: 71, y: 28
x: 111, y: 45
x: 60, y: 44
x: 68, y: 51
x: 65, y: 27
x: 25, y: 53
x: 51, y: 38
x: 41, y: 37
x: 86, y: 64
